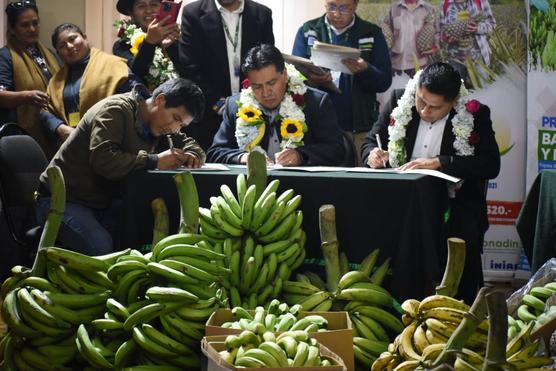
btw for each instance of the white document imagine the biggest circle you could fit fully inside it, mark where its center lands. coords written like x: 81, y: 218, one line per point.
x: 331, y: 56
x: 213, y: 166
x: 434, y: 173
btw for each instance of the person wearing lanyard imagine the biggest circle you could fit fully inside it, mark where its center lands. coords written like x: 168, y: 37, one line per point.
x: 215, y: 36
x: 356, y: 104
x: 89, y: 75
x: 26, y: 65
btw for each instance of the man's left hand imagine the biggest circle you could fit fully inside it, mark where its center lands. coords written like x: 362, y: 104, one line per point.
x: 191, y: 161
x: 422, y: 163
x: 356, y: 65
x: 288, y: 157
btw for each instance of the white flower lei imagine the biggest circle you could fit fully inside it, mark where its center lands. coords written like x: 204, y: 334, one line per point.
x: 462, y: 124
x: 161, y: 68
x: 246, y: 133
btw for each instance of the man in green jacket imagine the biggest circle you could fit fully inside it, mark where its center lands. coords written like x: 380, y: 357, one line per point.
x: 356, y: 105
x: 120, y: 134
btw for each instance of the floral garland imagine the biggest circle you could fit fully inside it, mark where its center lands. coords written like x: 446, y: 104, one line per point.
x: 161, y: 69
x: 250, y: 124
x: 462, y: 123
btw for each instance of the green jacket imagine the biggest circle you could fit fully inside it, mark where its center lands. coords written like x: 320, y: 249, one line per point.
x: 109, y: 143
x: 377, y: 78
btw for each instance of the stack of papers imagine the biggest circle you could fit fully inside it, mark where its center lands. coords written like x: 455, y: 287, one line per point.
x: 331, y: 56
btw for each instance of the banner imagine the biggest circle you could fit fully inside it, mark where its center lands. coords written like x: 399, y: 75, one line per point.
x: 541, y: 89
x: 486, y: 42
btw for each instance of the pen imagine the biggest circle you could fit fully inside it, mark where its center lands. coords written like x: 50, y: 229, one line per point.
x: 288, y: 143
x: 170, y: 141
x: 379, y: 142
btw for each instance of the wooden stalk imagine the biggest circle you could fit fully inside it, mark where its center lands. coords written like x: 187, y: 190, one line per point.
x: 54, y: 219
x: 329, y: 245
x: 256, y: 171
x: 161, y: 220
x: 495, y: 358
x: 454, y: 268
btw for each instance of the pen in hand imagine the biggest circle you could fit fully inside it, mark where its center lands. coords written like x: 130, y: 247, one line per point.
x: 170, y: 141
x: 379, y: 143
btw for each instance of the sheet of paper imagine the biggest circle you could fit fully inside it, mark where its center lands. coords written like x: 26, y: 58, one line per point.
x: 434, y: 173
x: 209, y: 166
x: 331, y: 56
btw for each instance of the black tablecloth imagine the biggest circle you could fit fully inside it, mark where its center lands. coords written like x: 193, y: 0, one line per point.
x: 400, y: 214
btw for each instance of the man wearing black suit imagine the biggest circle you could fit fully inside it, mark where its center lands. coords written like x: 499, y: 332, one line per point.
x: 430, y: 143
x: 322, y: 142
x: 215, y: 36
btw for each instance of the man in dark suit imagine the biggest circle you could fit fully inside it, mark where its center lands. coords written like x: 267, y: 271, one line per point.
x: 215, y: 36
x: 322, y: 142
x: 443, y: 133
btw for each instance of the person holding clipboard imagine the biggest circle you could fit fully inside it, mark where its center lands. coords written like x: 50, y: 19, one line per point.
x: 356, y: 104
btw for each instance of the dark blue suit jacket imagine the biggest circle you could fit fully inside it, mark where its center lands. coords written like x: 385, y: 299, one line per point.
x: 323, y: 140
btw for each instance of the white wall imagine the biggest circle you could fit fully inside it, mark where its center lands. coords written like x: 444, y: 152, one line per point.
x: 97, y: 16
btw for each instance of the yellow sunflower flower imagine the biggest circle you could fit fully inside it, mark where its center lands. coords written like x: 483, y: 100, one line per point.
x: 249, y: 114
x: 291, y: 129
x: 136, y: 43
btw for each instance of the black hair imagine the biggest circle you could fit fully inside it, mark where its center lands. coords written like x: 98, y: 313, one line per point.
x: 182, y: 92
x: 441, y: 79
x: 15, y: 8
x: 61, y: 28
x: 261, y: 56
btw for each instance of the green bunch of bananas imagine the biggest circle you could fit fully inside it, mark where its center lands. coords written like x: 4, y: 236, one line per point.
x: 532, y: 306
x: 43, y: 314
x: 278, y: 317
x: 360, y: 294
x: 260, y: 236
x: 289, y: 349
x: 106, y: 308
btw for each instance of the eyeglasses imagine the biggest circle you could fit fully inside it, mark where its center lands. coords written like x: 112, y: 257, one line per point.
x: 342, y: 9
x: 22, y: 4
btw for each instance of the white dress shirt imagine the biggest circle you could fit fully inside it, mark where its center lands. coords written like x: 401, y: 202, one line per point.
x: 231, y: 19
x: 429, y: 139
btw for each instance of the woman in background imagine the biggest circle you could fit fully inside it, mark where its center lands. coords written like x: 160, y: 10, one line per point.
x: 88, y: 76
x: 155, y: 45
x: 26, y: 66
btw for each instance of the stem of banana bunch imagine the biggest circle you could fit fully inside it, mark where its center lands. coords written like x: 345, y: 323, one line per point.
x: 53, y: 220
x: 256, y: 172
x: 161, y: 220
x: 497, y: 332
x: 189, y: 202
x: 329, y: 245
x: 454, y: 268
x: 471, y: 320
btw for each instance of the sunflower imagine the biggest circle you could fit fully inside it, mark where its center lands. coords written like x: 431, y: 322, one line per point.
x: 249, y: 114
x: 136, y: 42
x: 291, y: 128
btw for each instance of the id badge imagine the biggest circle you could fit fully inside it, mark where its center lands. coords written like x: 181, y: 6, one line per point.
x: 74, y: 118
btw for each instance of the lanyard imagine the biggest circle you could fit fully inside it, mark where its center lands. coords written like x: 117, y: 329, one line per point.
x: 235, y: 40
x: 345, y: 35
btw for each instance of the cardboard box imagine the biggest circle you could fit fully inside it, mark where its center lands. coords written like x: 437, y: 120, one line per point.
x: 211, y: 345
x: 338, y: 338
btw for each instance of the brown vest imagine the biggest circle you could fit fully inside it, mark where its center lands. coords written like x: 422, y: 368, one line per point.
x: 28, y: 76
x: 102, y: 76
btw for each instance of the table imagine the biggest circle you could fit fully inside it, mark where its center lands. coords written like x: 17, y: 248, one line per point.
x: 536, y: 223
x: 399, y: 213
